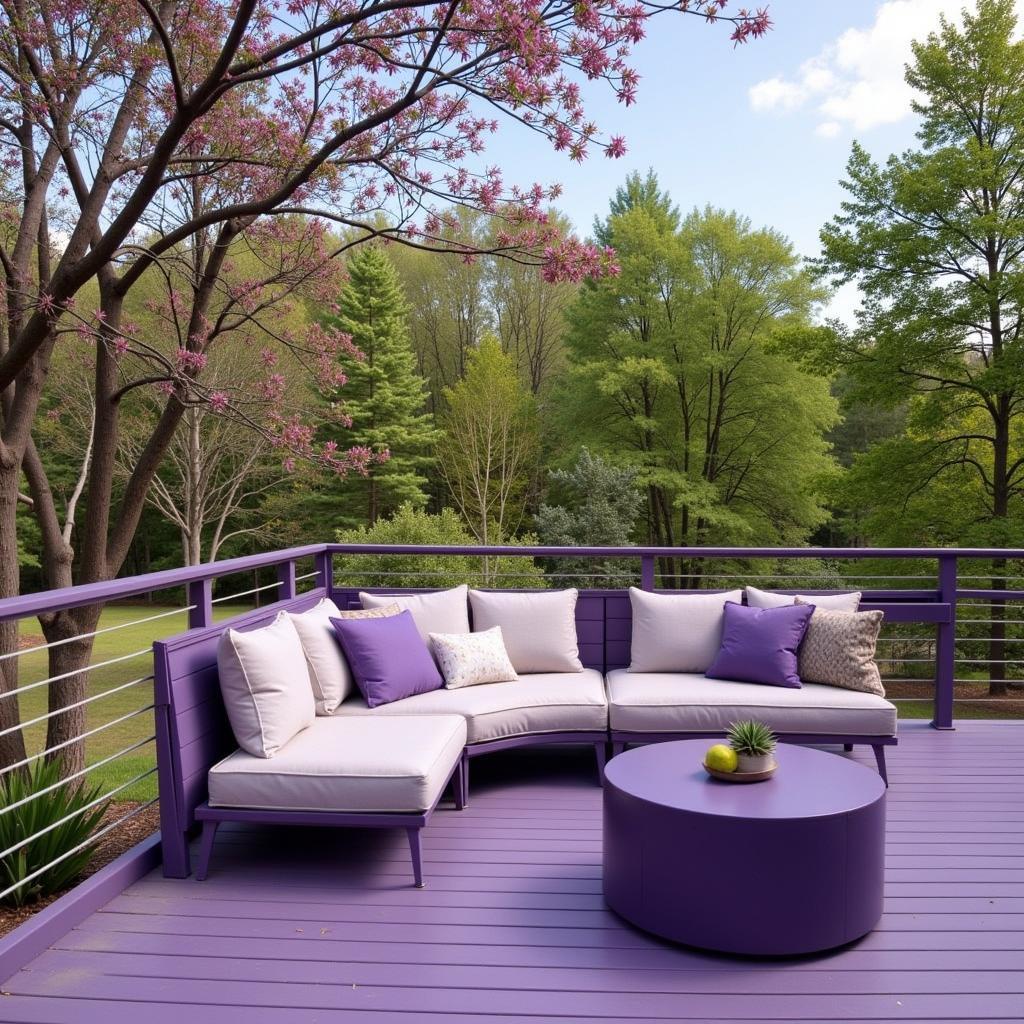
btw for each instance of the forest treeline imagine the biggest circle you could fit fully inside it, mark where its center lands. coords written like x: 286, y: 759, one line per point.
x: 694, y: 398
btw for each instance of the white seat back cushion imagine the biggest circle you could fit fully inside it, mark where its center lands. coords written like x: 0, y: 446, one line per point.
x: 445, y: 611
x: 329, y: 673
x: 831, y: 602
x: 676, y: 632
x: 539, y: 628
x: 264, y: 681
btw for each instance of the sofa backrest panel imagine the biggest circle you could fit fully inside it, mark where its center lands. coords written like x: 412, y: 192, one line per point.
x: 192, y: 727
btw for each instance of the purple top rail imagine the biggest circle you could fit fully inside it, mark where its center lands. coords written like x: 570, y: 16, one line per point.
x: 133, y: 586
x: 924, y: 605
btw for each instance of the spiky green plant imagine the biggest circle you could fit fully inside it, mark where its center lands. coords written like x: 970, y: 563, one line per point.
x: 752, y: 738
x: 55, y: 802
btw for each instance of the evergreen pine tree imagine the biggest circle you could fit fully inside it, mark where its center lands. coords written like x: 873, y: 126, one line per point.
x: 384, y: 396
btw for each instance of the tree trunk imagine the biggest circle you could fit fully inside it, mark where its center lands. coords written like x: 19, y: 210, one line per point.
x: 72, y: 661
x: 12, y: 744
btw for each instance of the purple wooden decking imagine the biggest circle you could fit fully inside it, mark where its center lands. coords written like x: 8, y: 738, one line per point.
x: 314, y: 925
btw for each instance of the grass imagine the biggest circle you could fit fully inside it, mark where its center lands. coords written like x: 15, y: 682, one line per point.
x: 125, y: 640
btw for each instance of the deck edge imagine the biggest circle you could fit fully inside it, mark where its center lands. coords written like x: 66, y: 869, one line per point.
x: 39, y: 932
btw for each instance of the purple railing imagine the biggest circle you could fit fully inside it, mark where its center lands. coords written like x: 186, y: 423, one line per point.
x: 921, y: 595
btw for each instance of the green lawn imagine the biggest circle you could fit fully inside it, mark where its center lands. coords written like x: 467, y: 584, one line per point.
x: 119, y: 642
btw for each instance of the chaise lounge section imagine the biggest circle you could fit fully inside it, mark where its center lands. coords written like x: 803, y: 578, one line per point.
x: 387, y: 773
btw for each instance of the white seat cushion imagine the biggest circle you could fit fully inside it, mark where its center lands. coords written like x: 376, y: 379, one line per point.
x: 679, y: 702
x: 347, y: 764
x: 538, y: 703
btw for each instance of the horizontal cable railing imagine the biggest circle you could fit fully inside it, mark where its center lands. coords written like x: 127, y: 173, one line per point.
x: 117, y: 735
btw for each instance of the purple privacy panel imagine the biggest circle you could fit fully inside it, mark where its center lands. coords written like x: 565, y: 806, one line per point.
x: 191, y: 725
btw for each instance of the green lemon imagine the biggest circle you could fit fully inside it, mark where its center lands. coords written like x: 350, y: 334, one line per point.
x: 721, y: 758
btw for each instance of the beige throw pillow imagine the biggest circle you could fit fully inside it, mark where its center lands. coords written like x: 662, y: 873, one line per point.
x: 441, y: 611
x: 538, y: 628
x: 839, y: 649
x: 264, y: 680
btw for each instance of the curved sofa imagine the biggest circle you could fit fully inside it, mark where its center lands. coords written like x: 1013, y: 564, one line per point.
x: 391, y: 765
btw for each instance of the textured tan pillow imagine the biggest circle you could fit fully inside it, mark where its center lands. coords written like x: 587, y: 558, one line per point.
x: 839, y: 650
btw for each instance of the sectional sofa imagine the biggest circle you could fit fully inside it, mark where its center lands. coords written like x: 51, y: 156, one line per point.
x: 333, y: 759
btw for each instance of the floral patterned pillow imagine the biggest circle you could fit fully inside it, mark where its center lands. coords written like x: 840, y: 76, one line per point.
x: 467, y: 659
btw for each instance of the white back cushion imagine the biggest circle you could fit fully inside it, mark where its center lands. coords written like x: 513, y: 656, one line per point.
x: 676, y: 632
x: 265, y: 684
x: 831, y: 602
x: 329, y: 673
x: 539, y: 628
x: 443, y: 612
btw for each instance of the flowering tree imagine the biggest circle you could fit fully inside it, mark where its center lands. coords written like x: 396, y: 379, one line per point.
x: 154, y: 139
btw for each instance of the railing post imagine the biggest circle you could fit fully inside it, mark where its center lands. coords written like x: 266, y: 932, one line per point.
x: 325, y: 570
x: 945, y: 646
x: 286, y: 577
x: 199, y: 594
x: 647, y: 572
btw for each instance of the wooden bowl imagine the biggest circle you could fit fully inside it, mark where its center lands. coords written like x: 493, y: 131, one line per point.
x: 742, y: 776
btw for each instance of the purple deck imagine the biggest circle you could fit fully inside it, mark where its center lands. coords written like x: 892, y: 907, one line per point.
x: 294, y: 926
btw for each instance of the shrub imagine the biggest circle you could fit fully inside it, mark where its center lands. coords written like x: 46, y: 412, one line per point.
x: 35, y: 815
x: 410, y: 525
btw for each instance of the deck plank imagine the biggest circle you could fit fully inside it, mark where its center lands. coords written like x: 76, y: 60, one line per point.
x: 297, y: 925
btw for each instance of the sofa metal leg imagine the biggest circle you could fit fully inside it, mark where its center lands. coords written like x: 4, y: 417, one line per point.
x: 416, y: 849
x: 459, y: 783
x: 465, y: 778
x: 879, y: 750
x: 206, y: 849
x: 848, y: 747
x: 618, y: 746
x: 601, y: 750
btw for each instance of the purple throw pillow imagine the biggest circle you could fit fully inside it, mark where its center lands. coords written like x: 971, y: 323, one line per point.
x: 388, y: 658
x: 759, y: 645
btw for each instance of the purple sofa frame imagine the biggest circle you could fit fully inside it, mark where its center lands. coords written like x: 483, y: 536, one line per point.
x: 193, y: 734
x: 192, y: 729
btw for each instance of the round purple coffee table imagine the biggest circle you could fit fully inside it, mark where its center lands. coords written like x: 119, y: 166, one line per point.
x: 792, y: 865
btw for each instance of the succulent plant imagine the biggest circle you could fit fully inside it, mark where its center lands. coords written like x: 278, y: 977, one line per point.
x: 752, y: 738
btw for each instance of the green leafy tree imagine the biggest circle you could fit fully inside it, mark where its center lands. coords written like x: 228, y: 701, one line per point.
x: 595, y: 504
x: 934, y: 239
x: 489, y: 452
x: 412, y: 525
x: 679, y: 368
x: 384, y: 396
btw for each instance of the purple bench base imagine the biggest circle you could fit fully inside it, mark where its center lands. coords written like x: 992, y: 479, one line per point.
x: 413, y: 823
x: 599, y: 740
x: 620, y: 740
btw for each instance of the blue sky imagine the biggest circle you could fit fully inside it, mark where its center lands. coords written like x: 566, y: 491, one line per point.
x: 764, y: 128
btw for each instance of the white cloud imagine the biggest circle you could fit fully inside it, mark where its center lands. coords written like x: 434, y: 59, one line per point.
x: 856, y: 81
